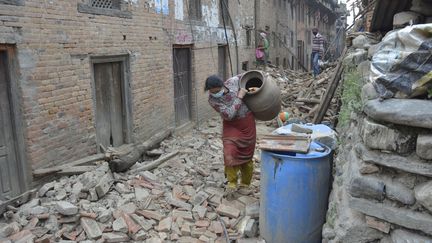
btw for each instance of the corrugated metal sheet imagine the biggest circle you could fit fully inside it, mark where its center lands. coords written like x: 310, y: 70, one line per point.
x: 385, y: 10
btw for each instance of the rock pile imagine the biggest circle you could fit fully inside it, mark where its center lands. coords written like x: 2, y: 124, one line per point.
x: 179, y: 201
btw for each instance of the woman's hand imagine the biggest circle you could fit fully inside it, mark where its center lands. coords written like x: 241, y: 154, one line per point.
x: 242, y: 92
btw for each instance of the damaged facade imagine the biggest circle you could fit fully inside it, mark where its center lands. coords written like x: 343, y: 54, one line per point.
x: 78, y: 76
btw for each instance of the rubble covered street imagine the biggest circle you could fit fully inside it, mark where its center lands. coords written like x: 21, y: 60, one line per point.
x: 180, y: 200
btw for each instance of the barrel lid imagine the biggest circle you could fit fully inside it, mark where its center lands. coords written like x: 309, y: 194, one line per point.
x: 316, y: 150
x: 321, y: 133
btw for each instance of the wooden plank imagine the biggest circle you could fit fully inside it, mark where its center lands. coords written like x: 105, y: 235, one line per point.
x: 102, y: 77
x: 331, y: 89
x: 18, y: 200
x: 116, y: 111
x: 298, y: 146
x: 88, y: 159
x: 75, y: 170
x: 285, y: 143
x: 313, y: 101
x: 10, y: 179
x: 156, y: 163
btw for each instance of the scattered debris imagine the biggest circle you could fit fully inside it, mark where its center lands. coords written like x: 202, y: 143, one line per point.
x: 302, y: 94
x: 176, y: 195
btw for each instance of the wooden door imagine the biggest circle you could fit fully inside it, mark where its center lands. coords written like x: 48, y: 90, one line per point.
x: 222, y: 62
x: 182, y: 85
x: 110, y: 122
x: 9, y: 174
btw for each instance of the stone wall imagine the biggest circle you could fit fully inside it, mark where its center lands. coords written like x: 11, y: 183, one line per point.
x: 382, y: 189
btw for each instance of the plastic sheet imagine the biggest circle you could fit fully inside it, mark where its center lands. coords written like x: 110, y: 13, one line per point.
x: 402, y: 64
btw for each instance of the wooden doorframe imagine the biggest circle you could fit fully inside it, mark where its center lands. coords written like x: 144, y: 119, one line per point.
x: 16, y: 106
x: 126, y: 94
x: 192, y: 87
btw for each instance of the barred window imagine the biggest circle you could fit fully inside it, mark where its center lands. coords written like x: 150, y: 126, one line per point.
x: 113, y: 8
x: 107, y: 4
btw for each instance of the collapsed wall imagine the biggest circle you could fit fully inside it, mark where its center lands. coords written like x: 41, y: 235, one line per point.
x: 382, y: 189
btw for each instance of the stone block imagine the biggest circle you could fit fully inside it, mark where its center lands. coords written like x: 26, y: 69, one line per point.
x: 141, y: 194
x: 91, y: 228
x: 150, y: 214
x: 423, y: 194
x: 405, y: 18
x: 229, y: 211
x: 120, y: 225
x: 251, y: 228
x: 252, y: 210
x: 45, y: 188
x: 115, y: 237
x: 361, y: 233
x: 409, y: 112
x: 145, y: 224
x: 378, y: 224
x: 424, y: 146
x: 66, y: 208
x: 399, y: 192
x: 140, y: 236
x: 182, y: 214
x: 178, y: 203
x: 25, y: 236
x: 202, y: 223
x: 366, y: 187
x: 356, y: 57
x: 405, y: 236
x: 38, y: 210
x: 407, y: 164
x: 104, y: 216
x: 199, y: 198
x: 216, y: 227
x: 148, y: 176
x: 104, y: 185
x: 377, y: 136
x: 7, y: 230
x: 361, y: 42
x: 400, y: 216
x: 165, y: 225
x: 368, y: 92
x: 200, y: 210
x: 367, y: 168
x: 185, y: 230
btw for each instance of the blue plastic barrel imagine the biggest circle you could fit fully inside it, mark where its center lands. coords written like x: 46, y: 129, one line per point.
x: 294, y: 195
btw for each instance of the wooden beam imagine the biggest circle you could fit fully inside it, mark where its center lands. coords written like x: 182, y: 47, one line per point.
x: 156, y: 163
x: 328, y: 96
x: 76, y: 170
x: 86, y: 160
x: 18, y: 200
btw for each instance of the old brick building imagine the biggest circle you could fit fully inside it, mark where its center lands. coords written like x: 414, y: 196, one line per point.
x: 75, y: 74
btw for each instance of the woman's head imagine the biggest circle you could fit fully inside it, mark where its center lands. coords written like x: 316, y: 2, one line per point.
x: 214, y: 85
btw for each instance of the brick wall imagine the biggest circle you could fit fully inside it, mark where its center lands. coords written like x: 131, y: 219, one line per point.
x: 55, y: 43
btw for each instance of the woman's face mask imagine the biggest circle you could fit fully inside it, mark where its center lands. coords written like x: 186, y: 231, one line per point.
x: 218, y: 94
